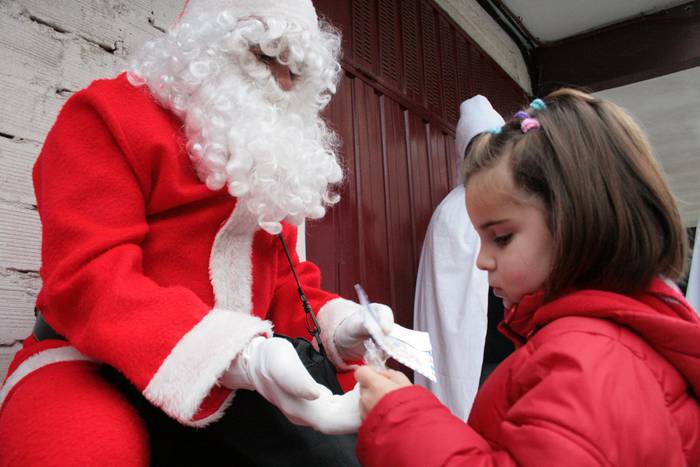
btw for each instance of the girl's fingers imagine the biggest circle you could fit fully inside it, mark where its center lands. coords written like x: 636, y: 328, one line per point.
x: 397, y: 377
x: 365, y: 375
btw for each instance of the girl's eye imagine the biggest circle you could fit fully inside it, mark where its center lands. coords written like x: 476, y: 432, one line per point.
x: 502, y: 240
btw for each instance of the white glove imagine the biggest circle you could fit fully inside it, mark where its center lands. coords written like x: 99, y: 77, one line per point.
x: 272, y: 367
x: 335, y: 414
x: 351, y: 333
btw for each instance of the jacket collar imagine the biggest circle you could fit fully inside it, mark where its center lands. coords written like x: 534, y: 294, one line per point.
x: 518, y: 323
x: 660, y: 315
x: 522, y: 320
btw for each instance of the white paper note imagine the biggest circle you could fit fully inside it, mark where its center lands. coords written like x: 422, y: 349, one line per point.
x: 409, y: 347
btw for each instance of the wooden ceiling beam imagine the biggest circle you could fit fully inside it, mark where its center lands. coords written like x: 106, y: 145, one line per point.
x: 627, y: 52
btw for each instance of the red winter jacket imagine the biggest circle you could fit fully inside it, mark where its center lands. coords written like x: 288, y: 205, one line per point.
x: 598, y: 379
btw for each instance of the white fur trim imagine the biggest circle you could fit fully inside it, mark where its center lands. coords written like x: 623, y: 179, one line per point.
x: 208, y: 349
x: 202, y: 422
x: 195, y: 364
x: 230, y: 263
x: 39, y: 360
x: 329, y: 317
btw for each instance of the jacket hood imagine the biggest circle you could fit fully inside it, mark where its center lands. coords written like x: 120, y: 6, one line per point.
x: 660, y: 315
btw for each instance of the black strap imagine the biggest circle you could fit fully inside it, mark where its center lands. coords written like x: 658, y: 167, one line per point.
x: 313, y: 327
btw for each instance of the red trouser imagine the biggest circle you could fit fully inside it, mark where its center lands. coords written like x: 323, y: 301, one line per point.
x: 67, y: 414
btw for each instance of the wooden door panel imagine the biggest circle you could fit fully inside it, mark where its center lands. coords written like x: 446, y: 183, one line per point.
x: 399, y: 213
x: 374, y: 257
x: 419, y: 167
x: 390, y: 63
x: 408, y: 66
x: 332, y: 242
x: 347, y: 235
x: 412, y: 52
x: 449, y: 71
x: 431, y: 56
x: 364, y: 32
x: 440, y: 177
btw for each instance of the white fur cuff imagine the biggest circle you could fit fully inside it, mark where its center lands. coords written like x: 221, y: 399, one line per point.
x: 198, y: 360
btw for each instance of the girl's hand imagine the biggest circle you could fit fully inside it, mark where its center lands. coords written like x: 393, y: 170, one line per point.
x: 374, y: 386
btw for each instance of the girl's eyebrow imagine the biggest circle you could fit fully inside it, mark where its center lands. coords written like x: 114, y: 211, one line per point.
x: 488, y: 224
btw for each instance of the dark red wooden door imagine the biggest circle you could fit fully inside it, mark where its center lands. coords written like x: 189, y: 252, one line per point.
x: 407, y: 67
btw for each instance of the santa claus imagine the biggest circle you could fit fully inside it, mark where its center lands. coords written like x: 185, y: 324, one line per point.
x: 161, y: 194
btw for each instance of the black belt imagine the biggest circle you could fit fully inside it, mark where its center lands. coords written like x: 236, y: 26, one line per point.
x: 42, y: 331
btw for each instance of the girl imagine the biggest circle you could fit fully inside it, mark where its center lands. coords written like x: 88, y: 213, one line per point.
x: 580, y: 237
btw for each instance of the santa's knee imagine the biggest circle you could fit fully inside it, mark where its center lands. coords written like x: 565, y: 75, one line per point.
x: 67, y: 414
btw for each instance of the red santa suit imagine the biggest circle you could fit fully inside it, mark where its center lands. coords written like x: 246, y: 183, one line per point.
x: 146, y: 269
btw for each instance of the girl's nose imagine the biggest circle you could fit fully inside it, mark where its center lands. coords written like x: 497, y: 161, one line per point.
x: 282, y: 75
x: 485, y: 262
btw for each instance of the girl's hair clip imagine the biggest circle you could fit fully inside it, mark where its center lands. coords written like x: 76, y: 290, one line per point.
x: 495, y: 131
x: 538, y: 104
x: 521, y: 114
x: 529, y: 124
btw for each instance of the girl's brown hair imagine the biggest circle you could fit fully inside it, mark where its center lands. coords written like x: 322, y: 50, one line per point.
x: 613, y: 219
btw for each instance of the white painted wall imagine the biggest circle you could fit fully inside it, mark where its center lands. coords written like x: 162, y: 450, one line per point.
x: 51, y: 48
x: 666, y: 108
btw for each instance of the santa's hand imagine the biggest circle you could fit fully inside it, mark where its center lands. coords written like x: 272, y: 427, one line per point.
x: 333, y: 414
x: 351, y: 333
x: 272, y: 367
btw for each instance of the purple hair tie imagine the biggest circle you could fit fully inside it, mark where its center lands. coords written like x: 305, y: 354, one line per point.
x: 521, y: 114
x: 529, y: 124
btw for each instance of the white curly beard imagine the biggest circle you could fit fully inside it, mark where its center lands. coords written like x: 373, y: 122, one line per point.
x: 270, y: 148
x: 271, y: 156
